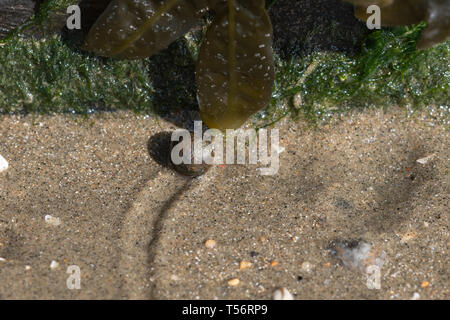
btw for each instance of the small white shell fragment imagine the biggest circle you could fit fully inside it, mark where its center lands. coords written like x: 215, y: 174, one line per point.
x: 52, y: 220
x: 3, y: 164
x: 27, y: 267
x: 54, y: 265
x: 282, y: 294
x: 234, y: 282
x: 210, y: 244
x: 2, y: 259
x: 416, y: 296
x: 426, y: 159
x: 307, y: 266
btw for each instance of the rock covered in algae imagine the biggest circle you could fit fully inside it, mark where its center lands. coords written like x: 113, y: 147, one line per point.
x: 406, y: 12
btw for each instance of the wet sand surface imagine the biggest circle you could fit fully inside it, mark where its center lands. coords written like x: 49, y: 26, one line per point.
x: 137, y: 229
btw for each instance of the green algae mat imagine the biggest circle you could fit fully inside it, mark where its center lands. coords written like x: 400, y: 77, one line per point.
x: 325, y: 62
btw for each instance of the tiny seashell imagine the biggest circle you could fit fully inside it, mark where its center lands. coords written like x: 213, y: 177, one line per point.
x: 3, y: 164
x: 234, y: 282
x: 282, y: 294
x: 54, y: 265
x: 426, y: 159
x: 52, y: 220
x: 210, y: 244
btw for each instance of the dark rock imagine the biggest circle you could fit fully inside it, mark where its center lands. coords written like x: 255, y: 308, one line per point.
x: 14, y: 13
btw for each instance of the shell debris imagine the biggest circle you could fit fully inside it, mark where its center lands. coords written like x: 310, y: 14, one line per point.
x: 54, y: 221
x: 282, y: 294
x: 416, y: 296
x: 307, y: 266
x: 54, y: 265
x: 3, y: 164
x: 426, y: 159
x: 234, y: 282
x: 210, y: 244
x: 244, y: 265
x: 274, y: 263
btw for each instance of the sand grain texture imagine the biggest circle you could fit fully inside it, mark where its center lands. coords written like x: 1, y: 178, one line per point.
x: 137, y: 230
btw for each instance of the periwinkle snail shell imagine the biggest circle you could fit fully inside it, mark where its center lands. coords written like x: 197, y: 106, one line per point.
x: 189, y: 170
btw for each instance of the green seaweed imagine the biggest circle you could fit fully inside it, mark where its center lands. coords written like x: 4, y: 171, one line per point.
x: 388, y: 71
x: 47, y: 76
x: 417, y: 80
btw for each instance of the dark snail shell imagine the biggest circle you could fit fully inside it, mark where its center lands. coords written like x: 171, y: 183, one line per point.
x: 189, y: 170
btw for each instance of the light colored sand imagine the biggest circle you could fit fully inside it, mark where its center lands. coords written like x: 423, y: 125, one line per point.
x: 136, y: 229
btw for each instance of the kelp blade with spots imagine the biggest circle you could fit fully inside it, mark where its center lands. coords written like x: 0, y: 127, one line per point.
x: 235, y: 71
x: 140, y: 28
x: 406, y: 12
